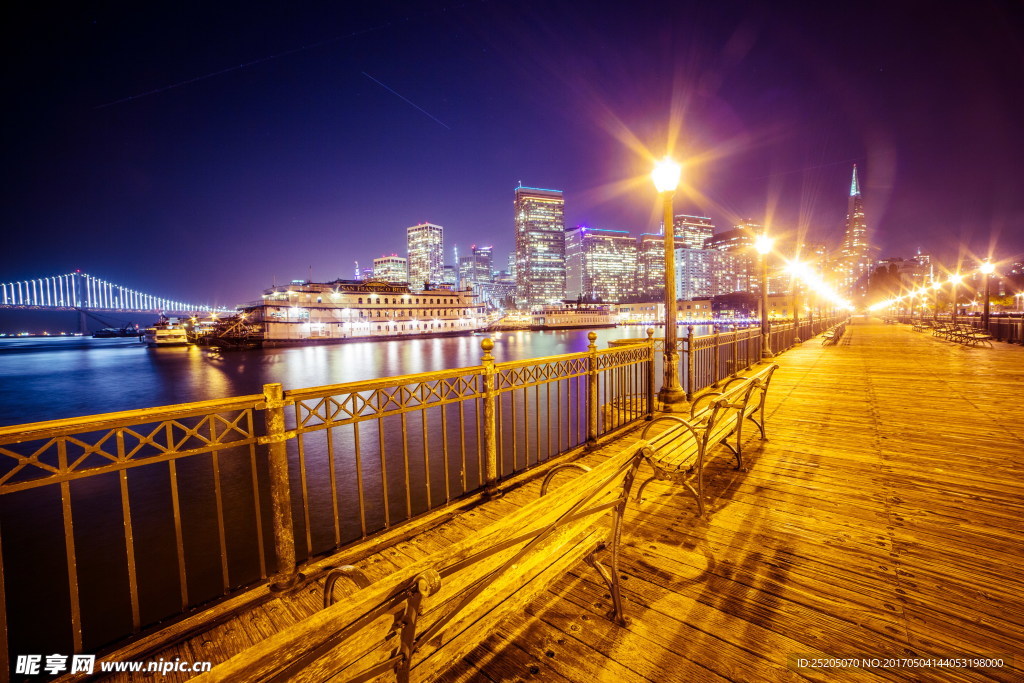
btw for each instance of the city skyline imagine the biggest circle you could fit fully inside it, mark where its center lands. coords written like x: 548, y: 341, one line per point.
x: 206, y: 154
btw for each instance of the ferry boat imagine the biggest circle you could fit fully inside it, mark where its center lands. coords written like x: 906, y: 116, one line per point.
x: 362, y: 309
x: 165, y: 333
x: 573, y: 314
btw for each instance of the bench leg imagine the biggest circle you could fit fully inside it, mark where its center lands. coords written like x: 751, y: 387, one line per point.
x: 737, y: 450
x: 611, y: 574
x: 640, y: 491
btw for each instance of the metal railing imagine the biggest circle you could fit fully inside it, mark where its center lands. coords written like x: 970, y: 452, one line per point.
x: 111, y: 523
x: 706, y: 360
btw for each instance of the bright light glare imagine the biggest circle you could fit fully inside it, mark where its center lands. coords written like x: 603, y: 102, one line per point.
x: 666, y: 175
x: 987, y: 268
x: 955, y: 279
x: 798, y: 269
x: 763, y: 244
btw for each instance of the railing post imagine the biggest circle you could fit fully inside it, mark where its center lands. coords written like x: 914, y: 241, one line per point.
x: 280, y: 489
x: 592, y: 391
x: 690, y: 363
x: 490, y: 425
x: 715, y: 360
x: 651, y: 375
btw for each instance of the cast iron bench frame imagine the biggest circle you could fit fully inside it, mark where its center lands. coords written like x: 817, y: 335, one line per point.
x: 424, y: 618
x: 680, y: 452
x: 833, y: 334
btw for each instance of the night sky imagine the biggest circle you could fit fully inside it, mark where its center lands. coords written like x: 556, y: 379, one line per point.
x: 201, y: 151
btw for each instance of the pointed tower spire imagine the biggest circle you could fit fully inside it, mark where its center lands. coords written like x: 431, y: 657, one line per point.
x: 854, y: 185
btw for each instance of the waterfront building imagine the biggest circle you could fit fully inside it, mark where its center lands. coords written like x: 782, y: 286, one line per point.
x: 392, y: 268
x: 640, y: 312
x: 350, y: 309
x: 600, y: 265
x: 426, y: 255
x: 855, y: 252
x: 540, y: 246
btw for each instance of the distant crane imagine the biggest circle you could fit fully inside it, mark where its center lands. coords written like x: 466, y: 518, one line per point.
x: 358, y: 277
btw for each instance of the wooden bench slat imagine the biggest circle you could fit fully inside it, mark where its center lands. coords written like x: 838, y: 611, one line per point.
x: 478, y: 580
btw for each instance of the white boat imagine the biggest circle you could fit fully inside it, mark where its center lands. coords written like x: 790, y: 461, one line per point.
x: 572, y: 315
x: 165, y: 333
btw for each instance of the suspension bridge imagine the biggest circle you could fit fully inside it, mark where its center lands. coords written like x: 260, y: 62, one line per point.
x: 86, y: 294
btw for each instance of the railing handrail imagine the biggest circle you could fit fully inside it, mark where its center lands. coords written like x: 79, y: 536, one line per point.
x: 71, y: 425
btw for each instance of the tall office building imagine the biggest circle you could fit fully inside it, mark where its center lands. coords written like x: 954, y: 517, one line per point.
x: 540, y: 246
x: 600, y: 265
x: 692, y: 231
x: 855, y: 252
x: 738, y: 273
x: 390, y: 269
x: 426, y: 255
x: 696, y: 271
x: 650, y: 266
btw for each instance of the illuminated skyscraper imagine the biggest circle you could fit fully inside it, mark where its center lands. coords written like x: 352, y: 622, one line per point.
x: 390, y: 269
x: 650, y: 266
x: 696, y: 271
x: 600, y: 265
x: 854, y: 253
x: 426, y: 255
x: 540, y: 246
x: 692, y: 231
x: 737, y: 272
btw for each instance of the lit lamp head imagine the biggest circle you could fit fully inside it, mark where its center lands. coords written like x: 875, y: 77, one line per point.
x: 666, y: 175
x: 763, y: 244
x: 936, y: 285
x: 987, y: 268
x: 956, y: 278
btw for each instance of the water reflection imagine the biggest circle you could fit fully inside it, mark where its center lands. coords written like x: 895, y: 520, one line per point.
x: 44, y: 379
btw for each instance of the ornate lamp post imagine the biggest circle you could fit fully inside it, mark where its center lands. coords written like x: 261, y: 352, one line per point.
x: 954, y: 280
x: 763, y: 244
x: 987, y: 269
x: 799, y: 271
x: 666, y: 178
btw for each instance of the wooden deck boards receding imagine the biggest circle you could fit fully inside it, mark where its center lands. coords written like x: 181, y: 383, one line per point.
x: 883, y: 518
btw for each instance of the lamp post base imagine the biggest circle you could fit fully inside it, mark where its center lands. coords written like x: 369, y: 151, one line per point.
x: 672, y: 399
x: 766, y: 351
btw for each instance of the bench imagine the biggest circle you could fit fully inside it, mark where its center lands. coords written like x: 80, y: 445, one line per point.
x: 833, y: 334
x: 422, y: 619
x: 963, y: 334
x: 679, y: 453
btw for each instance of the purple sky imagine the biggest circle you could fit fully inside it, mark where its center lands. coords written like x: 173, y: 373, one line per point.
x: 271, y: 141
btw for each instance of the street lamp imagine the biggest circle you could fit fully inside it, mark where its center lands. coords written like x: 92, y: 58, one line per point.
x: 763, y: 244
x: 936, y: 286
x: 987, y: 269
x: 954, y: 280
x: 799, y: 272
x: 666, y: 178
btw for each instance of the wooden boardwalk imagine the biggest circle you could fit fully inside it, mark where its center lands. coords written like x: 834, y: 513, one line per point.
x: 883, y: 519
